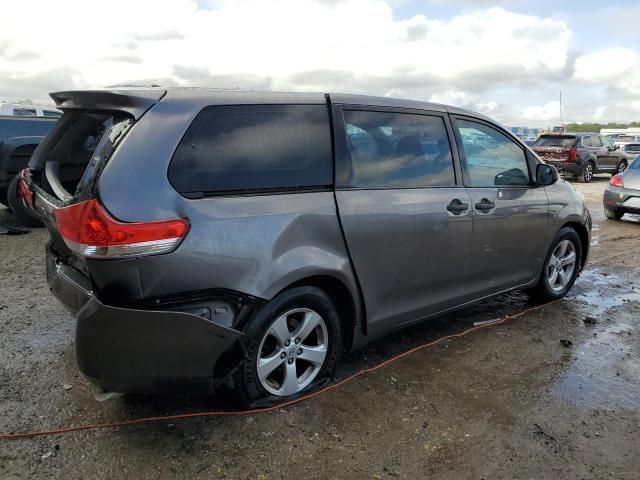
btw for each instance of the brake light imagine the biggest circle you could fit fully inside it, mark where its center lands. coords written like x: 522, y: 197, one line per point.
x: 88, y: 229
x: 24, y: 191
x: 616, y: 181
x: 573, y: 154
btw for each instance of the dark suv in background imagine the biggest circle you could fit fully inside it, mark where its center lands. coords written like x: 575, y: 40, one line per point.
x: 580, y: 154
x: 214, y: 235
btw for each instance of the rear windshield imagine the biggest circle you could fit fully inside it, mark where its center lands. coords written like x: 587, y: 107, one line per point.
x: 24, y: 127
x: 626, y: 138
x: 564, y: 141
x: 77, y: 146
x: 254, y: 148
x: 632, y: 147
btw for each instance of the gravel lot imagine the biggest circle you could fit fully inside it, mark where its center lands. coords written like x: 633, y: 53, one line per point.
x: 510, y: 401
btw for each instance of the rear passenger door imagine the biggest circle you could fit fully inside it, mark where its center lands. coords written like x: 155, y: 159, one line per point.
x: 406, y: 219
x: 606, y: 160
x: 509, y: 212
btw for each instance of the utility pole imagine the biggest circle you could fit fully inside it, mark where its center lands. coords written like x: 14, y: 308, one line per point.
x: 561, y: 124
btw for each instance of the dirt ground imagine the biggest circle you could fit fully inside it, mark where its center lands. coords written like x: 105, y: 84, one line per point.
x: 505, y: 402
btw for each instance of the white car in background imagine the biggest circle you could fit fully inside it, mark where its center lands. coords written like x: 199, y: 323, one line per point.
x: 14, y: 110
x: 626, y: 139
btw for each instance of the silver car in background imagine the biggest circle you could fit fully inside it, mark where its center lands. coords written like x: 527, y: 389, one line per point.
x: 622, y: 195
x: 208, y: 236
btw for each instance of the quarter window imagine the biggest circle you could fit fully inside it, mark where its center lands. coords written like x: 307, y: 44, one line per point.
x: 254, y: 148
x: 400, y: 150
x: 491, y: 158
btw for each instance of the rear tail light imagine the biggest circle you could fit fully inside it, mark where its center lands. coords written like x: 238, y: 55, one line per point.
x: 88, y: 229
x: 24, y: 191
x: 616, y: 181
x: 573, y: 154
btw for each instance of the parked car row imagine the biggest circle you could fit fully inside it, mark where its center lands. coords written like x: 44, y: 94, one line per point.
x: 203, y: 236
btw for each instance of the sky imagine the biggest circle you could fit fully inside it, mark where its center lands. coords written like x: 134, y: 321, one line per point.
x: 506, y: 59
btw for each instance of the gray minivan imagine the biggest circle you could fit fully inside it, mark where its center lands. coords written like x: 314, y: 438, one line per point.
x: 207, y: 236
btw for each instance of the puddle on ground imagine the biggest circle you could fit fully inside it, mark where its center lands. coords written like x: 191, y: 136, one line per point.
x: 605, y: 372
x: 602, y: 290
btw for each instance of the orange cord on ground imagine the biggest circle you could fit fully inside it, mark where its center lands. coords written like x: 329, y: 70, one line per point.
x: 228, y: 413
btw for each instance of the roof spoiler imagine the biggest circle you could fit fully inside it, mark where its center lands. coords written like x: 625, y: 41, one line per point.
x: 135, y: 102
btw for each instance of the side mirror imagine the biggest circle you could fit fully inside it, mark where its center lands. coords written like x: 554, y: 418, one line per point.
x: 546, y: 174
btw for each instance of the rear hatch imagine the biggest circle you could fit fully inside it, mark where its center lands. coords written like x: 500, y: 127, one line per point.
x: 556, y: 148
x: 61, y: 181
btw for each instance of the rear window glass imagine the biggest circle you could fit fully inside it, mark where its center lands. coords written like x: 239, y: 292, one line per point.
x: 254, y: 147
x: 24, y: 112
x: 632, y: 147
x: 399, y: 150
x: 555, y: 141
x: 51, y: 113
x: 24, y: 127
x: 626, y: 138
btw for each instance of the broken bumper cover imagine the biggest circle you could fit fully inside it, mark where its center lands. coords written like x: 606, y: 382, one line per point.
x: 139, y: 351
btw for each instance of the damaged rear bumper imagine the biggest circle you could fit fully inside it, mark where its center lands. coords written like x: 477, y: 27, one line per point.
x: 140, y: 351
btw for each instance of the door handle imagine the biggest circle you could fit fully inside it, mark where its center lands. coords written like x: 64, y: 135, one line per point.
x: 456, y: 206
x: 485, y: 205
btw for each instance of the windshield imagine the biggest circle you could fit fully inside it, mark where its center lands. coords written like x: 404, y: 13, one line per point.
x: 563, y: 141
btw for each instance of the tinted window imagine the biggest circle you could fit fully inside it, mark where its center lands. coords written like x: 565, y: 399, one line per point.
x: 24, y: 112
x: 24, y: 127
x: 398, y: 150
x: 586, y: 141
x: 254, y: 147
x: 491, y: 158
x: 555, y: 141
x: 51, y: 113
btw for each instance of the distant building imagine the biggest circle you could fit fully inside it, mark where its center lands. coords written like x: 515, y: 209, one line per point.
x: 525, y: 133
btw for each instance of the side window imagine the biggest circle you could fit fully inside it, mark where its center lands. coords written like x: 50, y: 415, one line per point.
x: 595, y: 141
x: 401, y: 150
x: 51, y: 113
x: 586, y: 141
x: 254, y: 147
x: 24, y: 112
x: 491, y: 158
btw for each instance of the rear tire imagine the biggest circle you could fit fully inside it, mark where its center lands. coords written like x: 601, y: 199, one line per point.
x: 559, y: 274
x: 20, y: 209
x: 613, y: 213
x: 587, y: 174
x: 272, y: 346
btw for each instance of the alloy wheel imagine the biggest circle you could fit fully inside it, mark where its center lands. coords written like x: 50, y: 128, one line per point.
x: 292, y: 352
x: 588, y: 172
x: 561, y: 265
x: 622, y: 167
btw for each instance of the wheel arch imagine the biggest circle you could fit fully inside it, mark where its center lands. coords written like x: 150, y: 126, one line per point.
x: 583, y: 233
x: 348, y: 305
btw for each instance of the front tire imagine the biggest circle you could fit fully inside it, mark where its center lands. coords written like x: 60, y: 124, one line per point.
x: 561, y: 266
x: 20, y: 209
x: 294, y: 343
x: 613, y: 213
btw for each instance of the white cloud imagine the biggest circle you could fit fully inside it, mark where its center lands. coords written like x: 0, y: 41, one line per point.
x: 548, y: 111
x: 488, y: 59
x: 606, y: 64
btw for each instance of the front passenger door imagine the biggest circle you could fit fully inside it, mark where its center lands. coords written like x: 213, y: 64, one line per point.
x: 509, y: 212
